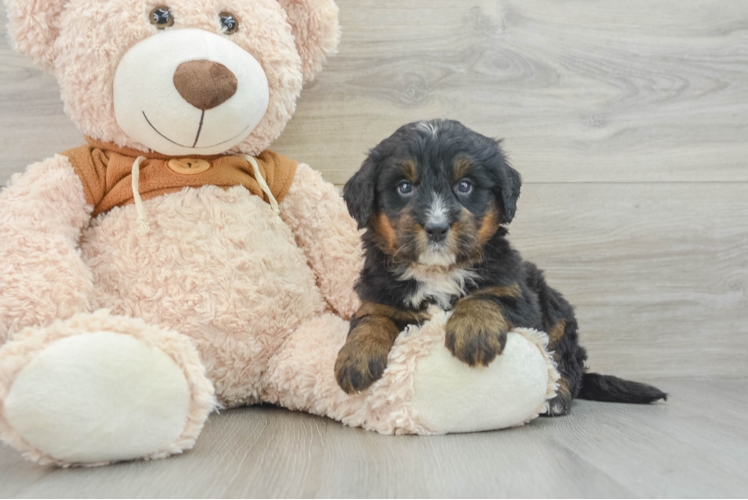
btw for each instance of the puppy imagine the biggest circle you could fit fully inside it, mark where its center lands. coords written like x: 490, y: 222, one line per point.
x: 434, y: 197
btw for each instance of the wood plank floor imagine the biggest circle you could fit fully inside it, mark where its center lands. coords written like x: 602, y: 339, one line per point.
x: 629, y: 123
x: 694, y: 445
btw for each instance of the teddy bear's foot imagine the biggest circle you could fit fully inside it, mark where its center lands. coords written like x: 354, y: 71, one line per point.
x: 424, y: 389
x: 450, y: 396
x: 99, y: 388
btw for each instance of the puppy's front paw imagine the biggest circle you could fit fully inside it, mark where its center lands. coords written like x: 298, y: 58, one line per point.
x: 360, y: 364
x: 476, y: 332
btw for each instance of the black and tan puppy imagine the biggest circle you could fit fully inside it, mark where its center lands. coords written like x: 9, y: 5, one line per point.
x: 433, y: 198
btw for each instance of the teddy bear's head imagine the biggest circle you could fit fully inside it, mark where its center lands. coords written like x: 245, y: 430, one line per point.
x: 179, y: 77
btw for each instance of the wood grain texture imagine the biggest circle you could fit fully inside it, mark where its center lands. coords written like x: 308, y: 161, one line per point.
x: 658, y: 273
x: 582, y: 91
x: 692, y: 446
x: 599, y: 91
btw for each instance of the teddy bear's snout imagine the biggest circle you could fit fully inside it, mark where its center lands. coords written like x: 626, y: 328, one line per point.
x: 207, y: 97
x: 205, y: 84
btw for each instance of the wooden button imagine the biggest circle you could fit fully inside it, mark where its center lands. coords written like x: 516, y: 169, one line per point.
x: 188, y: 166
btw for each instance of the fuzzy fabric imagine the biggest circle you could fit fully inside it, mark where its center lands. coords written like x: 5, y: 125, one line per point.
x: 28, y: 344
x: 319, y: 219
x: 450, y: 396
x: 290, y: 45
x: 316, y: 31
x: 243, y: 284
x: 42, y: 276
x: 301, y: 377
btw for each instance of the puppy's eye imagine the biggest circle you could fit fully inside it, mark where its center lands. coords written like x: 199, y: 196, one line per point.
x: 464, y: 187
x: 161, y: 17
x: 405, y: 188
x: 229, y: 24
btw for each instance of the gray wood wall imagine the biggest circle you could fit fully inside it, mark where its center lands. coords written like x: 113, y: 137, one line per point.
x: 628, y: 121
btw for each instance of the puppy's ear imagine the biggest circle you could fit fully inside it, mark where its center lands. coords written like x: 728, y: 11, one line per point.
x: 508, y: 184
x: 359, y: 192
x: 34, y: 26
x: 509, y: 189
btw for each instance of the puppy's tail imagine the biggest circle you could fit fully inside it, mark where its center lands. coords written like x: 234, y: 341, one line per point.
x: 596, y: 387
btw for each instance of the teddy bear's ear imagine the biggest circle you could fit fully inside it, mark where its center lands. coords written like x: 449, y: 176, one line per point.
x: 34, y: 26
x: 315, y: 26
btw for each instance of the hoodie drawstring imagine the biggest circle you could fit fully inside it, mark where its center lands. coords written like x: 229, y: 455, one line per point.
x: 265, y: 188
x: 143, y: 226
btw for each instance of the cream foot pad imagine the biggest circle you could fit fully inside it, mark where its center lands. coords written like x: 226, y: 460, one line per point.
x: 92, y: 397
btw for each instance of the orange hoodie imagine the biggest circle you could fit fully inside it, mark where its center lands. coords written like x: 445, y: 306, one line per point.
x: 105, y: 170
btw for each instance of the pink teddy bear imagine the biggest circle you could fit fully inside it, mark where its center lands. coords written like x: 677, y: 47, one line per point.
x: 173, y: 265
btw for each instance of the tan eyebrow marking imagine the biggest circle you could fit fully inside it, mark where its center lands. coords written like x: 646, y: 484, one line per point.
x: 410, y: 171
x: 462, y: 168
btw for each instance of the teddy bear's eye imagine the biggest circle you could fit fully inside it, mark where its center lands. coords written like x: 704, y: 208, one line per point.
x: 161, y: 17
x: 229, y: 24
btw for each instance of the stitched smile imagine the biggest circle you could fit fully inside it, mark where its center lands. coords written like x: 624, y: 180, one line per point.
x: 197, y: 136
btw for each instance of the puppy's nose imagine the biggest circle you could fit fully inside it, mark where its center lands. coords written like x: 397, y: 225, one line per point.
x: 436, y: 232
x: 205, y: 84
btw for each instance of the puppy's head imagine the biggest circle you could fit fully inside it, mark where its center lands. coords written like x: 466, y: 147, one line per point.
x: 433, y: 193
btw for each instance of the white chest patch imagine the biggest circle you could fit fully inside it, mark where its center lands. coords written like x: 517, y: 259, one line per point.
x: 439, y: 286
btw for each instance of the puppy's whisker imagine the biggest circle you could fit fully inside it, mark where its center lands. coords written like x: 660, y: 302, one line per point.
x: 402, y: 247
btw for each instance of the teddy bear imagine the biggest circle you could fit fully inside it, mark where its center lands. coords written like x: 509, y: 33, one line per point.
x: 172, y: 265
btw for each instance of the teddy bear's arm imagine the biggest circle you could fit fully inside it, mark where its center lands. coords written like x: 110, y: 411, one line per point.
x: 317, y: 215
x: 42, y: 275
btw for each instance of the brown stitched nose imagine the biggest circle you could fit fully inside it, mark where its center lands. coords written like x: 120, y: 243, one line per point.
x: 205, y: 84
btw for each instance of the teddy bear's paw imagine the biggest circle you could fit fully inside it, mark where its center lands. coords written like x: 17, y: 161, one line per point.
x: 450, y: 396
x: 92, y: 397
